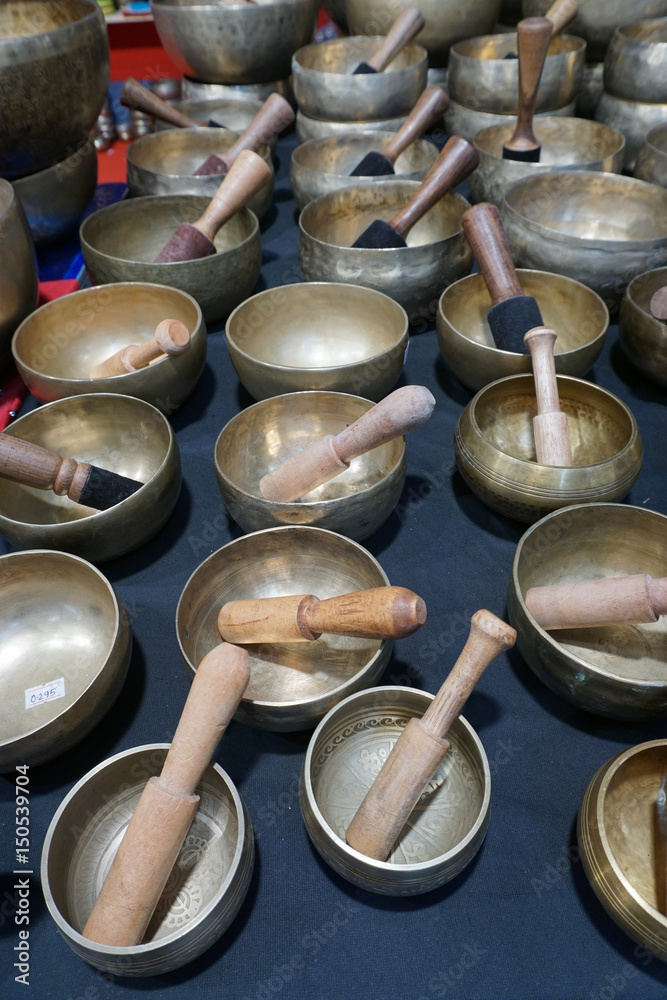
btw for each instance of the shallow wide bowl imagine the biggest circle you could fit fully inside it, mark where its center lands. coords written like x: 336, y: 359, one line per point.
x: 292, y: 685
x: 65, y: 645
x: 599, y: 228
x: 620, y: 853
x: 54, y: 198
x: 597, y: 20
x: 325, y: 86
x: 446, y: 827
x: 18, y: 274
x: 325, y: 336
x: 356, y: 503
x: 578, y: 315
x: 642, y: 336
x: 120, y: 243
x: 633, y: 118
x: 437, y: 252
x: 495, y: 451
x: 312, y: 128
x: 119, y: 433
x: 56, y: 347
x: 651, y: 162
x: 635, y: 66
x: 247, y: 44
x: 467, y: 122
x: 617, y: 671
x: 204, y: 891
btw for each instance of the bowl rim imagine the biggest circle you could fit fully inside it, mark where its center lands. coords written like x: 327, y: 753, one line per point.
x: 350, y: 137
x: 624, y: 33
x: 156, y: 138
x: 579, y: 46
x: 630, y: 290
x: 657, y: 130
x: 587, y: 124
x: 94, y: 13
x: 350, y: 41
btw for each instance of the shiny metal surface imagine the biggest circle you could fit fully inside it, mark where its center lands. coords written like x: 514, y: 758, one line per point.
x: 651, y: 162
x: 198, y: 90
x: 54, y: 199
x: 233, y: 111
x: 312, y: 128
x: 18, y: 275
x: 634, y: 119
x: 292, y: 685
x: 641, y: 335
x: 204, y: 891
x: 635, y: 66
x: 60, y: 620
x: 467, y: 122
x: 596, y: 20
x: 590, y: 90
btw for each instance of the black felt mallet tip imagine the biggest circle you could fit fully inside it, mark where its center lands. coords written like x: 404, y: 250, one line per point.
x: 379, y: 236
x: 522, y: 155
x: 363, y: 68
x: 373, y: 165
x: 104, y: 489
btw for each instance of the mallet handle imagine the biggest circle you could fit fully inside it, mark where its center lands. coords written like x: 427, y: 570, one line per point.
x: 275, y: 114
x: 560, y: 14
x: 134, y: 95
x: 31, y: 465
x: 408, y: 24
x: 483, y: 229
x: 430, y: 107
x: 533, y: 37
x: 618, y: 600
x: 552, y: 440
x: 247, y: 175
x: 171, y: 337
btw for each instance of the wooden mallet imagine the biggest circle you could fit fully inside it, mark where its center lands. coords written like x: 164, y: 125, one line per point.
x: 408, y: 24
x: 134, y: 95
x: 533, y: 37
x: 552, y: 439
x: 171, y: 337
x: 616, y: 600
x: 275, y: 115
x: 560, y: 14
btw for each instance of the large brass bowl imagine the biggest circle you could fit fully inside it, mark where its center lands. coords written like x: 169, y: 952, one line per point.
x: 467, y: 122
x: 118, y: 433
x: 65, y: 645
x: 54, y: 198
x: 120, y: 243
x: 204, y: 891
x: 596, y: 20
x: 54, y: 72
x: 635, y: 119
x: 292, y: 685
x: 616, y: 671
x: 313, y: 128
x: 355, y: 503
x: 641, y: 335
x: 59, y: 344
x: 635, y: 66
x: 495, y: 451
x: 326, y: 336
x: 445, y: 829
x: 579, y: 316
x: 620, y: 849
x: 651, y: 162
x: 18, y: 274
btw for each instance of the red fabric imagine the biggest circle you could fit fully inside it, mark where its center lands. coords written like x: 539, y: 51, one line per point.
x: 49, y: 290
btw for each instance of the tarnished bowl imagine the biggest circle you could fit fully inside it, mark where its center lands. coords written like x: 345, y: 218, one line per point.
x: 259, y: 438
x: 312, y: 128
x: 120, y: 243
x: 467, y: 122
x: 447, y: 826
x: 292, y: 685
x: 325, y: 86
x: 651, y: 162
x: 65, y: 645
x: 54, y: 72
x: 633, y: 118
x: 54, y: 198
x: 325, y: 336
x: 118, y: 433
x: 18, y: 274
x: 579, y: 316
x: 635, y: 66
x: 495, y: 451
x: 616, y: 671
x: 601, y: 229
x: 597, y: 20
x: 57, y: 346
x: 641, y: 335
x: 205, y: 889
x: 620, y: 850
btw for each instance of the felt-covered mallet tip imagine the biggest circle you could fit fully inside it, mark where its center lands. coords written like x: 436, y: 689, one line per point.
x: 379, y: 236
x: 211, y: 166
x: 522, y: 155
x: 373, y: 165
x: 363, y: 68
x: 105, y: 489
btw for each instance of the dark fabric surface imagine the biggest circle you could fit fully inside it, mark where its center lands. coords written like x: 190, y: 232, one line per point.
x: 522, y: 920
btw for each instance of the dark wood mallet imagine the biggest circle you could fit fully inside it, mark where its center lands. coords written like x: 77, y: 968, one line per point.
x: 275, y: 115
x: 533, y: 37
x: 408, y: 24
x: 171, y: 337
x: 139, y: 98
x: 560, y: 14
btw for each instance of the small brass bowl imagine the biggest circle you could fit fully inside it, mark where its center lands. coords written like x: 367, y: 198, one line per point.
x: 495, y: 451
x: 59, y: 344
x: 313, y: 128
x: 651, y: 162
x: 635, y: 119
x: 65, y: 645
x: 641, y: 335
x: 579, y: 316
x: 18, y: 275
x: 635, y: 65
x: 54, y: 198
x: 446, y: 828
x: 596, y: 20
x: 325, y: 86
x: 205, y: 889
x: 292, y: 685
x: 257, y: 439
x: 467, y: 122
x: 120, y: 243
x: 334, y: 337
x: 119, y: 433
x: 620, y: 849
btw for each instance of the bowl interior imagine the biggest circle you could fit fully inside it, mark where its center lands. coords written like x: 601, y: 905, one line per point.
x: 23, y: 18
x: 340, y: 154
x: 641, y: 290
x: 341, y: 56
x: 650, y: 32
x: 179, y: 152
x: 564, y: 141
x: 501, y: 47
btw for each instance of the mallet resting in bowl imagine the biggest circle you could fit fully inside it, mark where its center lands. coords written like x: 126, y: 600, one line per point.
x: 171, y: 338
x: 408, y: 24
x: 430, y: 107
x: 617, y: 600
x: 550, y: 430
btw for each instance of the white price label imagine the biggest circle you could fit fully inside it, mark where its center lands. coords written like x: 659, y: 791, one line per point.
x: 45, y: 692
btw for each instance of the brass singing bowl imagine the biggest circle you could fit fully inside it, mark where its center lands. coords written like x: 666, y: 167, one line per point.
x: 445, y: 829
x: 120, y: 243
x: 596, y: 20
x: 198, y: 91
x: 18, y: 275
x: 325, y: 86
x: 62, y: 626
x: 229, y: 112
x: 635, y: 66
x: 54, y: 73
x: 495, y: 450
x: 248, y: 44
x: 292, y: 685
x: 621, y: 852
x: 57, y: 346
x: 414, y: 276
x: 579, y: 316
x: 204, y: 891
x: 54, y: 198
x: 567, y: 144
x: 118, y: 433
x: 313, y: 128
x: 467, y: 122
x: 356, y: 503
x: 651, y: 162
x: 323, y: 336
x: 601, y: 229
x: 641, y: 335
x: 635, y: 119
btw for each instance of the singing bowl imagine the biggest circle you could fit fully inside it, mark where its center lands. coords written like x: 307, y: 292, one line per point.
x: 651, y: 162
x: 495, y: 451
x: 641, y: 335
x: 635, y: 66
x: 445, y: 829
x: 57, y: 346
x: 204, y: 891
x: 61, y: 626
x: 601, y: 229
x: 54, y: 199
x: 621, y: 852
x: 596, y: 20
x: 198, y: 90
x: 467, y: 122
x: 18, y: 275
x: 248, y: 44
x: 120, y: 243
x: 578, y: 315
x: 414, y: 276
x: 356, y: 503
x: 325, y: 86
x: 634, y: 119
x: 54, y: 73
x: 333, y: 337
x: 292, y: 685
x: 312, y: 128
x: 233, y: 113
x: 119, y: 433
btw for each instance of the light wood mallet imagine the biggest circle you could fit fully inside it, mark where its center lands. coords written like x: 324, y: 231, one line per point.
x: 616, y: 600
x: 171, y: 337
x: 552, y: 438
x: 408, y: 24
x: 533, y: 37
